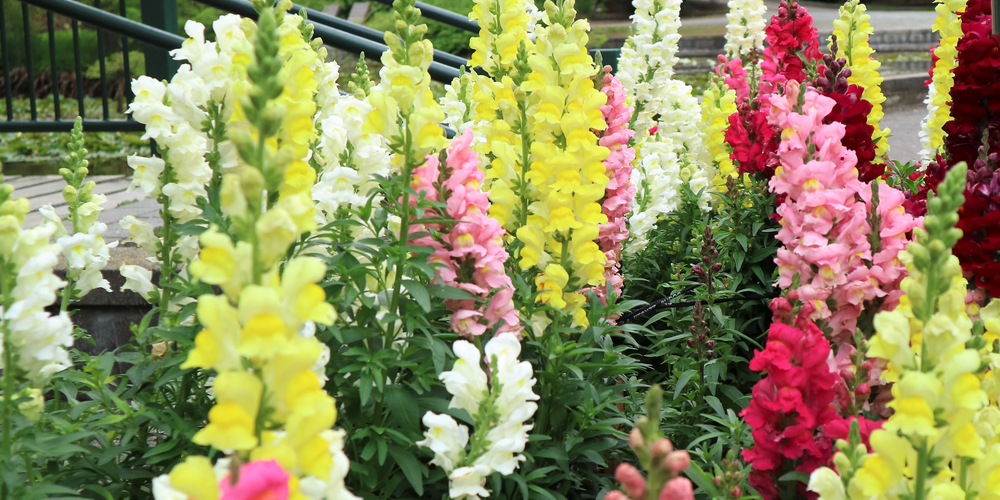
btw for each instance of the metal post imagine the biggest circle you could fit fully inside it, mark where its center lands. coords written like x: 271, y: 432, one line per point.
x: 160, y: 14
x: 995, y: 7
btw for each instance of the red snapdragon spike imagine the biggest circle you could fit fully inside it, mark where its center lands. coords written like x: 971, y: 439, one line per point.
x: 852, y: 111
x: 790, y: 404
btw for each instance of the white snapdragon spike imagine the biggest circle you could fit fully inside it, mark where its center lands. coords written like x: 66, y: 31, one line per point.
x: 648, y: 57
x: 204, y: 81
x: 39, y: 338
x: 499, y: 405
x: 350, y: 158
x: 745, y: 29
x: 459, y: 108
x: 657, y: 178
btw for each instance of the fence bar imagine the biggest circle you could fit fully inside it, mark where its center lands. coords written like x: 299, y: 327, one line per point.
x: 67, y: 125
x: 79, y: 69
x: 161, y: 15
x: 440, y: 15
x: 126, y: 69
x: 334, y: 37
x: 371, y: 34
x: 29, y: 64
x: 126, y: 27
x: 52, y: 61
x: 6, y: 63
x: 103, y: 68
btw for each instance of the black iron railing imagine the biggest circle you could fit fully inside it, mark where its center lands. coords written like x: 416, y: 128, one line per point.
x: 116, y: 35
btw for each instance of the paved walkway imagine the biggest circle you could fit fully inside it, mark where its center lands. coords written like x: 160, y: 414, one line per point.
x: 904, y: 125
x: 823, y: 17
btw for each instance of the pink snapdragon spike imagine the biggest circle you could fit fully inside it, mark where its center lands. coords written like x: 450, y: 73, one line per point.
x: 470, y: 251
x: 620, y: 191
x: 258, y: 480
x: 825, y: 218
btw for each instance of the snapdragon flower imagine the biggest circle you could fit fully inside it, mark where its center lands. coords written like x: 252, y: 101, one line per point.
x: 499, y: 403
x: 937, y: 443
x: 258, y: 337
x: 718, y: 105
x: 567, y: 178
x: 852, y: 31
x: 33, y: 341
x: 620, y: 191
x: 745, y: 29
x: 948, y: 25
x: 470, y: 251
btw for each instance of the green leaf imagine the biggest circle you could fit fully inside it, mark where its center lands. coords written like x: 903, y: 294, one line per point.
x: 411, y: 467
x: 419, y: 293
x: 682, y: 381
x: 715, y: 404
x: 403, y: 407
x: 801, y: 477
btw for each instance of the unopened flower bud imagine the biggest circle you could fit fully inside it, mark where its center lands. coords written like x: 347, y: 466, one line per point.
x: 631, y: 479
x: 678, y: 461
x: 635, y: 439
x: 710, y: 354
x: 716, y: 267
x: 710, y: 344
x: 662, y: 448
x: 690, y: 342
x: 863, y: 389
x: 69, y: 194
x: 701, y: 337
x: 706, y: 259
x: 678, y: 488
x: 736, y: 492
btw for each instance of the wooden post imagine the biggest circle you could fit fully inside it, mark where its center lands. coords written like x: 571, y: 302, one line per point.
x: 160, y: 14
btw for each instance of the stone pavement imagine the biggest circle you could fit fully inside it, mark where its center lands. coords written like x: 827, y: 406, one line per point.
x: 904, y: 126
x: 823, y: 15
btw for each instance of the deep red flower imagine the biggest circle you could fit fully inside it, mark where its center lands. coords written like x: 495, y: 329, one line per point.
x: 973, y: 137
x: 790, y: 404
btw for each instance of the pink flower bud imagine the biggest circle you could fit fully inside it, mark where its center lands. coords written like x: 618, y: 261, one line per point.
x: 737, y: 492
x: 863, y: 388
x: 635, y: 439
x: 615, y: 495
x: 631, y: 479
x: 679, y: 488
x: 678, y: 461
x: 662, y: 448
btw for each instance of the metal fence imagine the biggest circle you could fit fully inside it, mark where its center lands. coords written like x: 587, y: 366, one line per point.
x: 67, y: 76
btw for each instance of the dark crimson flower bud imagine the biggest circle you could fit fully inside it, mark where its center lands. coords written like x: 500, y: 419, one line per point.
x: 690, y: 342
x: 710, y: 344
x: 709, y: 354
x: 701, y: 336
x: 717, y: 267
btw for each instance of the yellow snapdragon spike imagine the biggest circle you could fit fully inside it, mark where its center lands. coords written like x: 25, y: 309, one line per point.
x: 943, y: 428
x: 852, y: 31
x: 948, y: 24
x: 719, y: 103
x: 216, y: 346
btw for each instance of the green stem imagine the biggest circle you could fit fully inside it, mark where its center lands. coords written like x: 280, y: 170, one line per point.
x: 923, y: 457
x: 404, y: 224
x: 6, y: 288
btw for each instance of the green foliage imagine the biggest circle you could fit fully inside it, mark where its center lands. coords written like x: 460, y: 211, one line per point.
x: 705, y: 393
